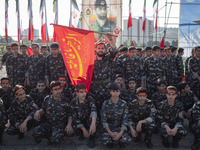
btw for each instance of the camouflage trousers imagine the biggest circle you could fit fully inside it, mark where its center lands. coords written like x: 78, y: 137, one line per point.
x: 151, y: 89
x: 106, y: 138
x: 195, y: 128
x: 54, y: 133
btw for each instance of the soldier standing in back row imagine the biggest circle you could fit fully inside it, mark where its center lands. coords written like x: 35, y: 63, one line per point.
x: 179, y: 65
x: 16, y: 66
x: 5, y: 56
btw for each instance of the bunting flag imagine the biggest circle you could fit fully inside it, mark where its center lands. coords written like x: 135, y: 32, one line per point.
x: 31, y: 29
x: 44, y: 29
x: 129, y: 18
x: 77, y: 48
x: 55, y: 9
x: 162, y: 43
x: 132, y: 44
x: 155, y: 6
x: 75, y: 14
x: 29, y: 51
x: 18, y: 22
x: 6, y: 20
x: 144, y: 17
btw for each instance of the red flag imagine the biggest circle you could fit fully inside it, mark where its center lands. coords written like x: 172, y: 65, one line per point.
x: 132, y: 44
x: 31, y: 29
x: 18, y: 21
x: 162, y: 43
x: 77, y: 47
x: 144, y: 16
x: 155, y: 6
x: 55, y: 3
x: 6, y: 20
x: 29, y: 51
x: 129, y: 18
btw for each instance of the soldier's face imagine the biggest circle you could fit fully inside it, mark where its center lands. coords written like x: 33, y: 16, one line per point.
x: 62, y: 82
x: 141, y: 98
x: 187, y: 89
x: 15, y: 50
x: 100, y: 50
x: 54, y: 51
x: 81, y: 94
x: 56, y: 92
x: 197, y: 52
x: 35, y: 49
x: 8, y: 49
x: 132, y: 53
x: 114, y: 93
x: 41, y: 87
x: 157, y: 52
x: 162, y: 87
x: 23, y: 50
x: 21, y: 95
x: 5, y: 85
x: 171, y: 97
x: 169, y: 52
x: 44, y: 51
x: 119, y: 81
x: 131, y: 85
x: 101, y: 12
x: 149, y: 53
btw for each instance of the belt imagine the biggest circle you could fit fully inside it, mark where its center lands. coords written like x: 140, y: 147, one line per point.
x: 101, y: 81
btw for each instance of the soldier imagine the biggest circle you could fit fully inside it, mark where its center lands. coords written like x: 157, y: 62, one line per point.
x: 174, y: 51
x: 84, y: 114
x: 5, y: 56
x: 139, y: 52
x: 6, y: 93
x: 153, y: 70
x: 23, y: 49
x: 179, y: 65
x: 67, y: 90
x: 3, y: 120
x: 57, y: 113
x: 160, y: 94
x: 195, y: 128
x: 171, y: 117
x: 170, y: 67
x: 39, y: 93
x: 162, y: 53
x: 54, y: 65
x: 102, y: 72
x: 16, y: 66
x: 44, y: 50
x: 186, y: 64
x: 114, y: 118
x: 20, y: 113
x: 131, y: 89
x: 187, y: 98
x: 142, y: 117
x: 195, y: 87
x: 194, y: 66
x: 35, y: 67
x: 132, y: 66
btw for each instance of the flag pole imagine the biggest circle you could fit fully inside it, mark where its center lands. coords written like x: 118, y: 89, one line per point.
x: 157, y: 22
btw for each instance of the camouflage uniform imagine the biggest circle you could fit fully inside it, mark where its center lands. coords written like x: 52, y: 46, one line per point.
x: 39, y: 97
x: 54, y: 67
x: 193, y: 69
x: 173, y: 117
x: 82, y: 113
x: 131, y: 96
x: 157, y: 98
x: 180, y: 69
x: 116, y: 68
x: 115, y: 117
x: 143, y: 112
x: 153, y: 70
x: 56, y: 113
x: 186, y: 69
x: 5, y: 57
x: 35, y: 69
x: 3, y: 119
x: 18, y: 112
x: 68, y: 93
x: 7, y: 98
x: 124, y: 95
x: 195, y: 87
x: 170, y: 70
x: 16, y: 69
x: 101, y: 79
x: 133, y: 68
x: 195, y: 128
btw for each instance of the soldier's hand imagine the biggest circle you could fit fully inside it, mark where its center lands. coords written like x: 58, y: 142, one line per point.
x: 85, y: 133
x: 37, y: 116
x: 174, y: 131
x: 139, y: 127
x: 92, y: 129
x: 113, y: 135
x: 28, y: 82
x: 69, y: 129
x: 133, y: 133
x: 169, y: 131
x: 23, y: 127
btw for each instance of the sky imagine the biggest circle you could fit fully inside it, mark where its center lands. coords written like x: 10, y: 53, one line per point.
x: 64, y: 7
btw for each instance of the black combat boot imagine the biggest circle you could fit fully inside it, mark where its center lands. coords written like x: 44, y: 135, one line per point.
x: 147, y: 139
x: 165, y: 142
x: 175, y: 143
x: 91, y: 142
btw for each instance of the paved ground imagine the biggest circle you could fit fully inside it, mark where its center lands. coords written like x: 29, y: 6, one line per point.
x: 72, y: 143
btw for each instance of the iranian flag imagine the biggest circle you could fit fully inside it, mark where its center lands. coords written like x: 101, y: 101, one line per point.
x: 162, y: 43
x: 31, y: 29
x: 55, y: 10
x: 44, y: 29
x: 74, y: 14
x: 144, y: 16
x: 6, y: 20
x: 155, y: 6
x: 18, y: 22
x: 129, y: 18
